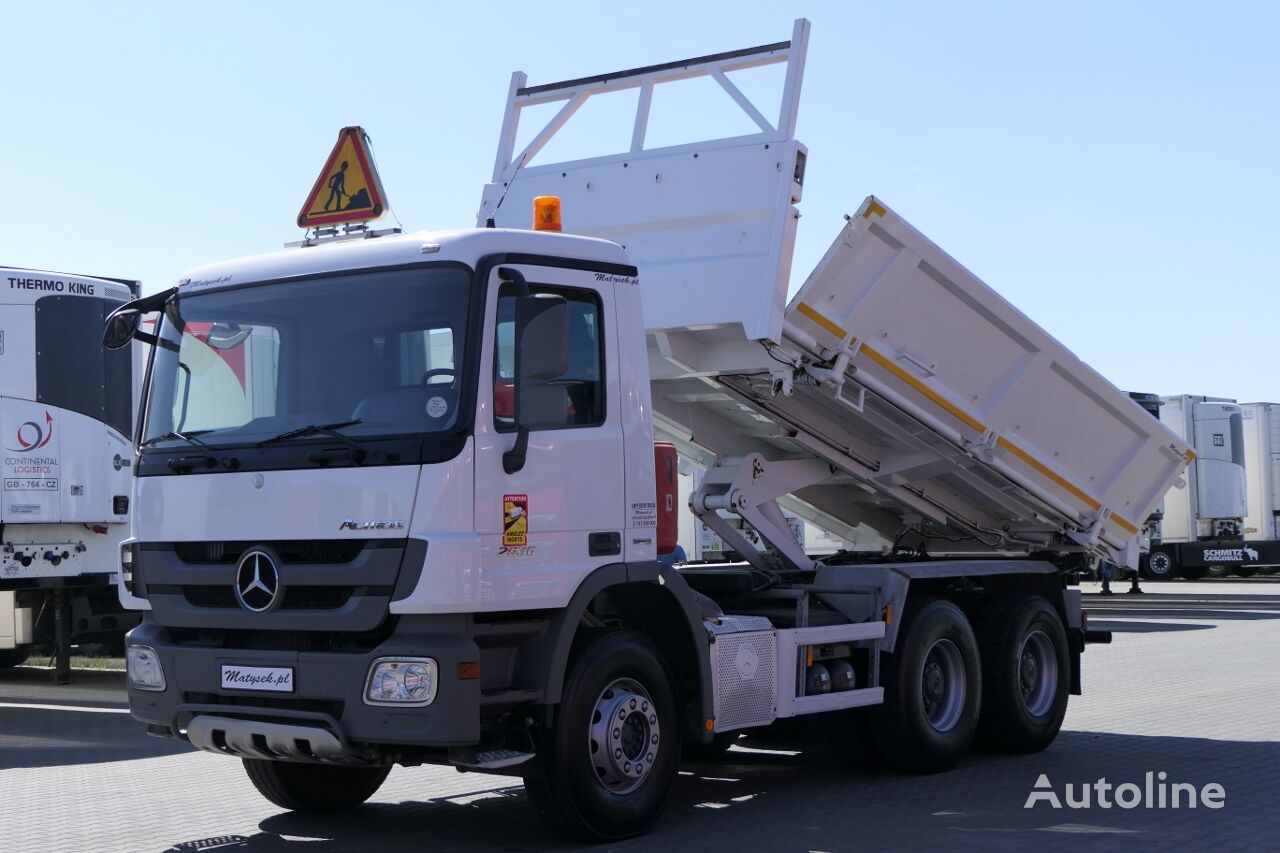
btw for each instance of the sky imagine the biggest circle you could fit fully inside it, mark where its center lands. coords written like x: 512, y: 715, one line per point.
x: 1111, y: 168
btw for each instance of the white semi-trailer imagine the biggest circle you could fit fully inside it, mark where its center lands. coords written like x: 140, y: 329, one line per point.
x: 1202, y: 524
x: 422, y: 524
x: 1261, y: 422
x: 66, y: 416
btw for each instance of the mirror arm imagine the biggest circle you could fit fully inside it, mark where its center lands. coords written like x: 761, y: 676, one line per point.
x: 507, y: 274
x: 513, y: 459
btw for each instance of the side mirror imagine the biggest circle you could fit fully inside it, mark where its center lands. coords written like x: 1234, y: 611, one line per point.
x: 542, y: 354
x: 121, y: 327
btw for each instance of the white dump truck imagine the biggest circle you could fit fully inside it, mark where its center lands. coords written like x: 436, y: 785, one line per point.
x: 426, y: 529
x: 66, y: 416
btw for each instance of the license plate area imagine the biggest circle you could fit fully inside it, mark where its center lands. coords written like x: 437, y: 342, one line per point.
x: 258, y: 679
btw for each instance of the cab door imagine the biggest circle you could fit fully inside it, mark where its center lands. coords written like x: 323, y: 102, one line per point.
x: 546, y: 526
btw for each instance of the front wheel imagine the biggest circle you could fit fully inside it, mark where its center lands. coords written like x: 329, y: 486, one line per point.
x: 1025, y: 673
x: 314, y: 787
x: 932, y: 692
x: 604, y: 769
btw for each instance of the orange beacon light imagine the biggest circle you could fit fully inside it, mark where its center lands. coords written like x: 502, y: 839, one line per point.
x: 546, y: 213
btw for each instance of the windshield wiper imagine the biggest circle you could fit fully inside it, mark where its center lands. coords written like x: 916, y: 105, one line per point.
x: 354, y: 449
x: 188, y: 437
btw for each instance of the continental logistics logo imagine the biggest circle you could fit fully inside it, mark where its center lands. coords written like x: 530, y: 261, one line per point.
x: 31, y: 436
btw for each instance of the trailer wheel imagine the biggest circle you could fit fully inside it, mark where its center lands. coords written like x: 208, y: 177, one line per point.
x: 1026, y: 673
x: 314, y: 787
x: 1192, y: 573
x: 1159, y: 566
x: 932, y: 692
x: 1220, y: 571
x: 10, y: 658
x: 604, y: 769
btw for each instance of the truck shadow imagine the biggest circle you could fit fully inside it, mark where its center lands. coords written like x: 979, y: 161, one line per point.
x: 799, y: 797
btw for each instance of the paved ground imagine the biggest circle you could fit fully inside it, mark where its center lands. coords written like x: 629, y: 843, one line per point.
x: 1190, y: 688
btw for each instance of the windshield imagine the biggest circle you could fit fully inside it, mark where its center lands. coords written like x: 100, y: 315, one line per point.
x: 377, y: 353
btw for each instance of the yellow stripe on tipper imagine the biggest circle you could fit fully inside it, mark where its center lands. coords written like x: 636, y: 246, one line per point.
x: 1123, y: 523
x: 1048, y: 472
x: 875, y: 208
x: 822, y: 321
x: 952, y: 409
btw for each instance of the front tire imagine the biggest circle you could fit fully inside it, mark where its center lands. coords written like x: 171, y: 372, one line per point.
x: 302, y: 787
x: 932, y: 692
x: 599, y: 780
x: 1025, y: 674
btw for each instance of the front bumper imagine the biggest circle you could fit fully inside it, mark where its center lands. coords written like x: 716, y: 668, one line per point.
x: 327, y: 699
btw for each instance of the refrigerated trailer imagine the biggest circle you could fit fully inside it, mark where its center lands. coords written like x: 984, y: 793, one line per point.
x: 1201, y: 530
x: 66, y: 415
x: 432, y: 537
x: 1261, y: 429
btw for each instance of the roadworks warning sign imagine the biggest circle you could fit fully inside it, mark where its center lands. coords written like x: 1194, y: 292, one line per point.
x: 348, y: 189
x: 515, y: 519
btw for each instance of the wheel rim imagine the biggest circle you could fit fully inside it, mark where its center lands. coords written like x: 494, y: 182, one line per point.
x: 1037, y: 673
x: 1159, y: 564
x: 943, y: 685
x: 624, y: 736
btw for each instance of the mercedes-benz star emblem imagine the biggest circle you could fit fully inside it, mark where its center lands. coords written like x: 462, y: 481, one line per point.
x: 257, y: 581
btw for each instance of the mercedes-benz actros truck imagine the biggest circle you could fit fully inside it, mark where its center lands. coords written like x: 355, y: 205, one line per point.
x: 398, y: 499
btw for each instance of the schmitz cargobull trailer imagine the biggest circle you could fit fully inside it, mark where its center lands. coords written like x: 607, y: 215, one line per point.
x: 421, y: 525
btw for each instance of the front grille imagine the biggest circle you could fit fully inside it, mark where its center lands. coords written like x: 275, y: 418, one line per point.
x: 311, y: 551
x: 282, y: 641
x: 210, y: 596
x: 295, y: 597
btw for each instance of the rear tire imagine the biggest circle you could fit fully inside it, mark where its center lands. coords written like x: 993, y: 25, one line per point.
x: 1026, y: 671
x: 1159, y: 566
x: 1219, y: 571
x: 10, y: 658
x: 600, y: 782
x: 302, y: 787
x: 932, y: 692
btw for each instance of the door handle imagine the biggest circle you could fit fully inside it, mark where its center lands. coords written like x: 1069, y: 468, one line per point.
x: 604, y: 544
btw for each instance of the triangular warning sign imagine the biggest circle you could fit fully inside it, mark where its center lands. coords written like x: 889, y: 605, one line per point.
x: 348, y: 190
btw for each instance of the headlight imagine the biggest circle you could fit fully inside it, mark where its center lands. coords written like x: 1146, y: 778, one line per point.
x: 143, y: 664
x: 401, y: 681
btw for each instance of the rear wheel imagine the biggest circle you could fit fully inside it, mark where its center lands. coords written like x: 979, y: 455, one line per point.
x: 1219, y: 571
x: 1159, y: 566
x: 10, y: 658
x: 932, y: 692
x: 1192, y: 573
x: 1025, y: 673
x: 604, y: 769
x: 314, y: 787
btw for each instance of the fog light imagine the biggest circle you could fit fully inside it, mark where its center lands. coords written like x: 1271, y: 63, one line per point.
x: 143, y: 664
x: 401, y: 681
